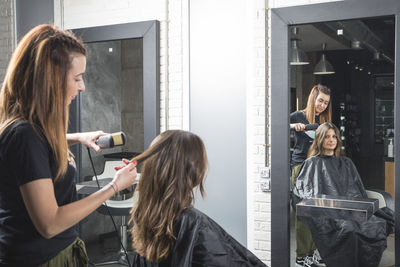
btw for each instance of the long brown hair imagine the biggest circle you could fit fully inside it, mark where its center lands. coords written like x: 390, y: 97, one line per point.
x: 309, y: 111
x: 173, y: 166
x: 316, y: 147
x: 34, y: 88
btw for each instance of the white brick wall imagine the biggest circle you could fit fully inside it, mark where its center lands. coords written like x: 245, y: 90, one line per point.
x: 6, y: 34
x: 259, y: 204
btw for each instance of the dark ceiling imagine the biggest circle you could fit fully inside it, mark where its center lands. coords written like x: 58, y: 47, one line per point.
x: 373, y: 34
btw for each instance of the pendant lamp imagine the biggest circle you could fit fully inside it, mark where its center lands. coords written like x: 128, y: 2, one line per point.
x: 323, y: 66
x: 297, y: 55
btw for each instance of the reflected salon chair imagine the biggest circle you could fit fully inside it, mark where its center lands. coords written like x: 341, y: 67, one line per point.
x: 384, y: 198
x: 118, y: 205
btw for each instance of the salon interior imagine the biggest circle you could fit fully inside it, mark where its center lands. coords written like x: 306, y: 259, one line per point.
x: 218, y: 69
x: 355, y: 59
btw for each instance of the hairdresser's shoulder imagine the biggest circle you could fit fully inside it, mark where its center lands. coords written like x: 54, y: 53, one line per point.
x: 297, y: 113
x: 24, y: 130
x: 297, y: 116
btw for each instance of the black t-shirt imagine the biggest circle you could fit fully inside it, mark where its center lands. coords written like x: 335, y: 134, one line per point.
x: 302, y: 140
x: 25, y: 156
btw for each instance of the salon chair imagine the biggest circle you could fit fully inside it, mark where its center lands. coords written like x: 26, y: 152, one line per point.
x: 118, y: 205
x: 384, y: 198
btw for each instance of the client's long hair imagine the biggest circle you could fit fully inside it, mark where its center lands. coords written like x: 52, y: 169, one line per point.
x: 173, y: 166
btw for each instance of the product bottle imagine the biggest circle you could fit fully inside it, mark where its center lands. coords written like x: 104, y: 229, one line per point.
x: 390, y: 148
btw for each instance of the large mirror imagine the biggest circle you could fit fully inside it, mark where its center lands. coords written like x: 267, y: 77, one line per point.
x: 122, y: 94
x: 113, y: 100
x: 355, y: 59
x: 122, y: 85
x: 360, y: 44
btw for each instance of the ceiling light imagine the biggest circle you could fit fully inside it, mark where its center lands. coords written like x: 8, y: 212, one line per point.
x: 297, y: 55
x: 323, y: 66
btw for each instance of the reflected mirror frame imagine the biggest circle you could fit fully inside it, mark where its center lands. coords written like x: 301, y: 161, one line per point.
x: 149, y: 32
x: 281, y: 19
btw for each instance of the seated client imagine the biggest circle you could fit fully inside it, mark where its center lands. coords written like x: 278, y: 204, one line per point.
x: 325, y: 171
x: 167, y: 229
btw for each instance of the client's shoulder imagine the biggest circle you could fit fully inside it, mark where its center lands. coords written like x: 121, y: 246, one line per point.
x: 313, y: 159
x: 346, y: 160
x: 192, y: 214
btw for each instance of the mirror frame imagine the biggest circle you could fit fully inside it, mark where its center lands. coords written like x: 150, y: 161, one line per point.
x: 281, y: 19
x: 149, y: 32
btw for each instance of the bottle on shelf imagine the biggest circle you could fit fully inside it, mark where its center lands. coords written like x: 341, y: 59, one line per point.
x: 390, y: 148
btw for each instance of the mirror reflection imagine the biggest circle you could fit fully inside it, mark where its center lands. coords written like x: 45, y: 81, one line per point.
x: 113, y: 102
x: 342, y: 72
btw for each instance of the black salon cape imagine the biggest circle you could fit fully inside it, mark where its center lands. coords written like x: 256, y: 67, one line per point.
x: 342, y: 243
x: 200, y: 241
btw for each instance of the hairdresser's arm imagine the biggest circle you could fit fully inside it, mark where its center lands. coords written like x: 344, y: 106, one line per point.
x: 51, y: 219
x: 87, y: 138
x: 298, y: 126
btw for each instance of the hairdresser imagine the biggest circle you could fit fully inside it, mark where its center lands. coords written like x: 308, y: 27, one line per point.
x: 39, y: 209
x: 318, y: 111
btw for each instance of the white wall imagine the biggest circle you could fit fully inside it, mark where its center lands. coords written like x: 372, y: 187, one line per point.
x: 80, y: 14
x: 218, y: 107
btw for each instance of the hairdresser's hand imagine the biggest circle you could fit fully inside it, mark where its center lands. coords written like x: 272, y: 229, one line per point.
x: 89, y: 139
x: 298, y: 126
x: 121, y: 166
x: 125, y: 176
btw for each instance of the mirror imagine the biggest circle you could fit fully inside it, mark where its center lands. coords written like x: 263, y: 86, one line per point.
x: 122, y: 94
x: 281, y: 20
x: 113, y: 100
x: 358, y: 66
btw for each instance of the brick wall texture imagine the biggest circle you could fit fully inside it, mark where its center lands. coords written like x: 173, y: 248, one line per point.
x: 6, y: 35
